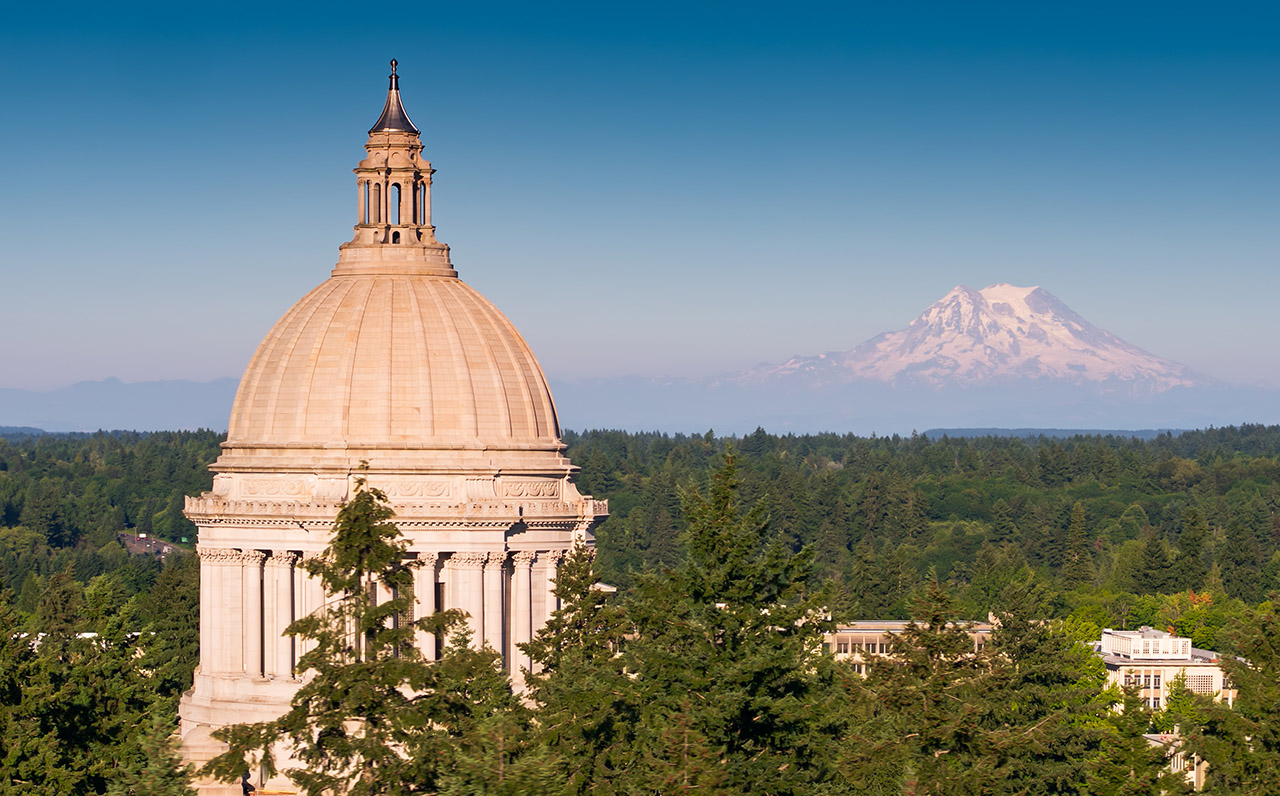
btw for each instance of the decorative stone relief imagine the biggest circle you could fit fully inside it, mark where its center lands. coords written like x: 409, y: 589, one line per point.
x: 468, y: 560
x: 218, y: 555
x: 415, y: 487
x: 480, y: 489
x: 546, y: 488
x: 332, y: 489
x: 278, y: 486
x: 252, y: 557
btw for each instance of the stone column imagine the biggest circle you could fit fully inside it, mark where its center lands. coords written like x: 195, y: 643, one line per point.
x: 521, y: 616
x: 311, y: 600
x: 467, y: 591
x: 494, y: 601
x: 281, y: 616
x: 426, y: 200
x: 231, y: 606
x: 252, y: 583
x: 407, y: 194
x: 213, y: 608
x: 551, y: 602
x: 424, y: 595
x: 270, y: 603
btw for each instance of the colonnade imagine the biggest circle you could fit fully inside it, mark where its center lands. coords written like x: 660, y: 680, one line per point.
x: 377, y: 203
x: 249, y: 597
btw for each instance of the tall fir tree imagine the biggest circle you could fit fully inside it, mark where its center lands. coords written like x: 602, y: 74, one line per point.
x: 1045, y: 712
x: 1189, y: 567
x: 1241, y: 741
x: 727, y: 653
x: 1077, y: 566
x: 930, y: 690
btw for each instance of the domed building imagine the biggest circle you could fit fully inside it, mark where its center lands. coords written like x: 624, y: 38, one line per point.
x: 395, y: 361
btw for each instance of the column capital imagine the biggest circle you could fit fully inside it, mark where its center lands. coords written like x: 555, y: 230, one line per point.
x: 468, y: 560
x: 493, y: 558
x: 428, y: 559
x: 252, y: 556
x: 218, y: 555
x: 524, y: 558
x: 284, y: 558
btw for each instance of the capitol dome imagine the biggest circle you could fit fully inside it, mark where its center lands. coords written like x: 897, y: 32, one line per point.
x: 383, y: 361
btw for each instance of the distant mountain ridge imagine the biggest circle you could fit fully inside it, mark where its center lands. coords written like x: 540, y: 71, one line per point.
x: 975, y: 337
x: 113, y: 404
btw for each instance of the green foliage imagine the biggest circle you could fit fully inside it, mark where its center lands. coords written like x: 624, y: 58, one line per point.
x: 1241, y: 741
x: 707, y: 679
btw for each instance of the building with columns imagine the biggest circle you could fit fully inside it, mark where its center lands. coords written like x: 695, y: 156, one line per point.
x: 395, y: 361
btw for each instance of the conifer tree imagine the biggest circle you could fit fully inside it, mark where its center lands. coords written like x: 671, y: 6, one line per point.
x: 1129, y: 765
x: 1241, y: 741
x: 929, y: 690
x: 586, y: 705
x: 1189, y: 567
x: 1046, y: 713
x: 727, y: 655
x: 1077, y: 567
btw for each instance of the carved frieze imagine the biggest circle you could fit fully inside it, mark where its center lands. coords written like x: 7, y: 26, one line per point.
x: 480, y: 489
x: 544, y: 488
x: 415, y: 487
x: 286, y: 486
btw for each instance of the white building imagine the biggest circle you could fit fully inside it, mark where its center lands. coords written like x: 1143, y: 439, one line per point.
x: 1150, y: 659
x: 395, y: 361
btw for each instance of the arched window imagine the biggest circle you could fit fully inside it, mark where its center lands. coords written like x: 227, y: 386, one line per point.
x: 395, y: 203
x: 395, y: 237
x: 364, y: 219
x: 377, y: 203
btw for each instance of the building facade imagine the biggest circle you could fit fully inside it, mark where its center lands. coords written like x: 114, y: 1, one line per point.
x: 1151, y: 659
x: 393, y: 361
x: 858, y: 642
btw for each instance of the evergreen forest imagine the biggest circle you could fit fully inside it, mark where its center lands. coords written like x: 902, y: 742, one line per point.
x: 705, y: 673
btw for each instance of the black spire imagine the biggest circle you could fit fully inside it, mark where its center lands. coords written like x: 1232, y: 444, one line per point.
x: 393, y: 118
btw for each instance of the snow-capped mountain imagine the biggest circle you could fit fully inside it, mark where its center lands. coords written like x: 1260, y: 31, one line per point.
x: 998, y: 334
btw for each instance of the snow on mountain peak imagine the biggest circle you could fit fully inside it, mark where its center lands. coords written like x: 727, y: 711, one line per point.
x: 1001, y: 332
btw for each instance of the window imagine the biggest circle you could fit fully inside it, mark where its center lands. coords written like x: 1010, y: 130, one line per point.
x: 1155, y: 681
x: 365, y: 218
x: 395, y: 204
x: 1146, y: 681
x: 1200, y: 683
x: 377, y: 204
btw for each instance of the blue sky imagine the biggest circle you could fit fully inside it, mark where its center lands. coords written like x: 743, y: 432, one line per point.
x: 657, y: 189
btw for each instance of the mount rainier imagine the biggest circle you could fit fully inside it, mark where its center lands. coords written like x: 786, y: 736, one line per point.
x: 1001, y: 333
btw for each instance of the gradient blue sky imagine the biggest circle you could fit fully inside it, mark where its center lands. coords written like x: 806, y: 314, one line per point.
x: 648, y: 188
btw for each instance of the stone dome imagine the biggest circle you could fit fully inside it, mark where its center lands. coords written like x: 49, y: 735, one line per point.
x: 386, y: 361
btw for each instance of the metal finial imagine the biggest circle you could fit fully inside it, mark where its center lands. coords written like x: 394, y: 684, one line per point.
x: 395, y: 79
x: 393, y: 66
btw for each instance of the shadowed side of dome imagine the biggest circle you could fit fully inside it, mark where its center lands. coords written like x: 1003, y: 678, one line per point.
x: 394, y: 362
